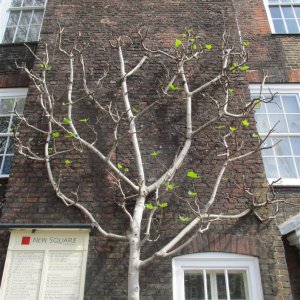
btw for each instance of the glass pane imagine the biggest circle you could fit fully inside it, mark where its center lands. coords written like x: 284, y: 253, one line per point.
x: 270, y: 151
x: 279, y: 122
x: 262, y: 123
x: 21, y: 34
x: 20, y: 105
x: 297, y: 11
x: 221, y: 286
x: 33, y: 34
x: 7, y: 165
x: 275, y: 106
x: 4, y: 123
x: 16, y: 3
x: 279, y: 26
x: 6, y: 106
x: 10, y: 146
x: 25, y: 17
x: 293, y: 123
x: 39, y: 3
x: 37, y: 17
x: 27, y: 3
x: 290, y: 104
x: 3, y: 142
x: 295, y: 145
x: 270, y: 167
x: 194, y: 286
x: 13, y: 18
x: 9, y: 34
x: 298, y: 164
x: 237, y: 286
x: 287, y: 11
x: 292, y: 26
x: 275, y: 12
x: 286, y: 167
x: 283, y: 147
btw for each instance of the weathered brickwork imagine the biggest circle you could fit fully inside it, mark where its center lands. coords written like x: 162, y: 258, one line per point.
x: 29, y: 198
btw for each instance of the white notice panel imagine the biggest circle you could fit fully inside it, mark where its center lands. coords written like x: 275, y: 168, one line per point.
x: 45, y: 265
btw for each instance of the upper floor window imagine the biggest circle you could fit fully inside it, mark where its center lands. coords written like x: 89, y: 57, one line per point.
x: 216, y: 276
x: 11, y: 101
x: 21, y: 20
x: 280, y: 110
x: 284, y: 15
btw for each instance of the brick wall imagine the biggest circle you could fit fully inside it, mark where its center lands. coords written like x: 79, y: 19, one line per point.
x: 29, y: 198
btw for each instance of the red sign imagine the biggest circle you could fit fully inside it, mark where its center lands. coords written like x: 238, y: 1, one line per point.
x: 25, y: 240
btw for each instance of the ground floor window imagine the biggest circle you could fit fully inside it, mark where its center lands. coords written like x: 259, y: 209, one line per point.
x: 216, y: 276
x: 45, y: 264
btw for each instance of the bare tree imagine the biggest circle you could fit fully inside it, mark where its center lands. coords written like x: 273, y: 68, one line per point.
x: 135, y: 186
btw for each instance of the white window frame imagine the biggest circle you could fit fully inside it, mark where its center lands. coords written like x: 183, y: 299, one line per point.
x: 5, y: 10
x: 10, y: 93
x: 217, y: 261
x: 280, y: 3
x: 285, y: 89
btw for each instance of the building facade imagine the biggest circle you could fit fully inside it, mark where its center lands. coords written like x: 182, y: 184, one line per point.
x: 240, y: 259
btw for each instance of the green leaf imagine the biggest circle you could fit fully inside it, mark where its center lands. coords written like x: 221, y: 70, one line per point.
x: 149, y: 205
x: 126, y: 170
x: 178, y: 43
x: 194, y: 47
x: 184, y: 35
x: 45, y: 67
x: 50, y: 149
x: 208, y: 46
x: 66, y: 121
x: 231, y: 91
x: 169, y: 186
x: 184, y: 219
x: 55, y: 134
x: 232, y: 129
x: 244, y: 68
x: 255, y: 135
x: 172, y: 87
x: 192, y: 175
x: 246, y: 43
x: 135, y: 110
x: 233, y: 67
x: 84, y: 120
x: 68, y: 162
x: 70, y: 135
x: 192, y: 194
x: 257, y: 103
x: 220, y: 126
x: 192, y: 40
x: 154, y: 153
x: 163, y: 205
x: 245, y: 123
x: 120, y: 166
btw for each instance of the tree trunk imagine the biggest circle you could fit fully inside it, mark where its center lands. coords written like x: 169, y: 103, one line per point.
x: 134, y: 252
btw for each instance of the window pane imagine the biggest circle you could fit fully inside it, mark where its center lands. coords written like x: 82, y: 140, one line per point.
x: 237, y: 286
x: 295, y: 145
x: 3, y: 142
x: 4, y: 123
x: 27, y: 3
x: 6, y: 106
x: 9, y: 34
x: 286, y: 167
x: 283, y: 147
x: 298, y: 164
x: 37, y: 17
x: 10, y: 145
x: 33, y: 34
x: 290, y: 104
x: 13, y: 18
x: 275, y: 12
x: 16, y: 3
x: 20, y: 105
x: 297, y: 11
x: 275, y: 106
x: 7, y: 165
x: 279, y: 26
x: 287, y: 12
x: 39, y: 3
x: 268, y: 152
x: 262, y: 123
x: 270, y: 167
x: 292, y: 26
x: 194, y: 286
x: 293, y: 123
x: 25, y: 17
x: 221, y: 286
x: 279, y: 122
x: 21, y: 34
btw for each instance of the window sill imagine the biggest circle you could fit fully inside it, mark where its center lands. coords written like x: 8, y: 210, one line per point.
x: 282, y: 183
